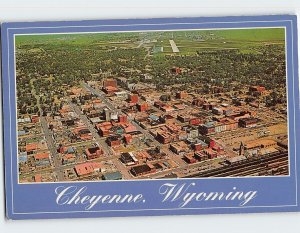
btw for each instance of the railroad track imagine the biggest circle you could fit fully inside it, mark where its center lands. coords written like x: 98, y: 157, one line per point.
x: 266, y: 170
x: 248, y: 170
x: 246, y: 167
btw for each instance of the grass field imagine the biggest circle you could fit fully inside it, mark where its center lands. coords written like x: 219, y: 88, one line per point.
x: 188, y: 42
x: 257, y: 34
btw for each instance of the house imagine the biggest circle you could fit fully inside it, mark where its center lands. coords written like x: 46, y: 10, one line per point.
x: 87, y: 168
x: 257, y: 90
x: 200, y: 156
x: 142, y: 107
x: 128, y: 158
x: 156, y: 153
x: 183, y: 117
x: 93, y: 152
x: 166, y: 118
x: 179, y: 148
x: 142, y: 169
x: 113, y: 141
x: 65, y: 150
x: 23, y: 157
x: 192, y: 132
x: 181, y: 95
x: 83, y: 133
x: 35, y: 119
x: 207, y: 128
x: 173, y: 127
x: 195, y: 121
x: 128, y: 138
x: 93, y: 113
x: 176, y: 70
x: 179, y: 106
x: 22, y: 132
x: 122, y: 118
x: 167, y: 108
x: 68, y: 158
x: 260, y: 143
x: 220, y: 125
x: 143, y: 155
x: 110, y: 86
x: 217, y: 111
x: 41, y: 156
x: 210, y: 153
x: 121, y: 94
x: 31, y: 147
x: 248, y: 122
x: 129, y: 128
x: 189, y: 158
x: 133, y: 98
x: 197, y: 144
x: 38, y: 178
x: 228, y: 123
x: 198, y: 102
x: 164, y: 137
x: 104, y: 128
x: 208, y: 106
x: 42, y: 159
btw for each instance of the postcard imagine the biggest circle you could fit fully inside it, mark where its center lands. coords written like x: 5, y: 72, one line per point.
x: 171, y: 116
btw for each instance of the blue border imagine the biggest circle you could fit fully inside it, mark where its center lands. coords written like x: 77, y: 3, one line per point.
x: 30, y: 201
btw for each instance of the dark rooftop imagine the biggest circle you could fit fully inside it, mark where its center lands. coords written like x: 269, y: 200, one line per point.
x: 112, y: 176
x: 140, y: 169
x: 93, y: 149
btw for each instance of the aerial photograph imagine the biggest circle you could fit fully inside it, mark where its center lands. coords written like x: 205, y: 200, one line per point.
x: 151, y: 105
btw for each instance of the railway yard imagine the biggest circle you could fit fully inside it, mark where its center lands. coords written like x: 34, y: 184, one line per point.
x: 272, y: 164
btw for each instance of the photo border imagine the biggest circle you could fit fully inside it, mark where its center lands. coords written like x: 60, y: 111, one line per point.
x: 11, y: 29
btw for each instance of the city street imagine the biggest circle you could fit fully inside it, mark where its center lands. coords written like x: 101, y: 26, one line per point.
x: 52, y: 148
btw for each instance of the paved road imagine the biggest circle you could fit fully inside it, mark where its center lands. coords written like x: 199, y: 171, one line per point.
x: 49, y: 139
x: 182, y: 166
x: 92, y: 129
x: 52, y: 148
x: 101, y: 95
x: 121, y: 168
x: 115, y: 159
